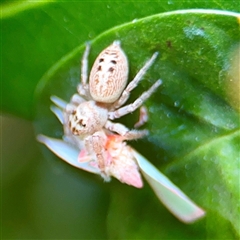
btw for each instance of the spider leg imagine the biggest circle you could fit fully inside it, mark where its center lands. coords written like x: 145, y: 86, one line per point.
x: 96, y: 145
x: 137, y: 103
x: 123, y: 131
x: 143, y: 117
x: 74, y: 102
x: 77, y: 99
x: 83, y: 87
x: 133, y: 84
x: 84, y: 68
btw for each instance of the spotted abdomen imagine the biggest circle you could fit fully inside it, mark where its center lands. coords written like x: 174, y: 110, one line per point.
x: 109, y: 74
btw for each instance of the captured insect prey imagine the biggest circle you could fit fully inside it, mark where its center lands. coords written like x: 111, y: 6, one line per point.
x: 94, y: 143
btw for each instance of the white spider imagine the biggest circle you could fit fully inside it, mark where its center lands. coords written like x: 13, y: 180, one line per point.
x: 100, y: 101
x: 93, y: 143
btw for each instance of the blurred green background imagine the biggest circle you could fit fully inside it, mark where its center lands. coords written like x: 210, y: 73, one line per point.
x: 44, y: 198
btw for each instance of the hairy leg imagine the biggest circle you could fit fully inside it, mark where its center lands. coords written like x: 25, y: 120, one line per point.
x: 143, y: 117
x: 83, y: 87
x: 123, y: 131
x: 137, y: 103
x: 133, y: 84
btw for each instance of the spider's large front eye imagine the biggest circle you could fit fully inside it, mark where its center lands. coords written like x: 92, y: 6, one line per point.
x: 82, y: 123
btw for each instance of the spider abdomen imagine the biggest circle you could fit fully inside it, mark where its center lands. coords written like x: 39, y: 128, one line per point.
x: 109, y: 74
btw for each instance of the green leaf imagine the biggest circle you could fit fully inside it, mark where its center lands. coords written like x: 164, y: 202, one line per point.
x: 194, y: 123
x: 36, y: 34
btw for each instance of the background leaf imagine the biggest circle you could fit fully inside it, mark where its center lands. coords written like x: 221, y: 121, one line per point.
x: 46, y: 198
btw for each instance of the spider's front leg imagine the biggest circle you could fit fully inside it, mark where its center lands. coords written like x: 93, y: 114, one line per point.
x: 123, y: 131
x: 95, y: 145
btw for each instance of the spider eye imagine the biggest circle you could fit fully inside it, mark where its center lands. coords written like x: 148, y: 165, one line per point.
x: 80, y: 122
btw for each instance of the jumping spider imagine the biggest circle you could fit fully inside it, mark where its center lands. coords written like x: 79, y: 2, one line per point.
x: 97, y: 103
